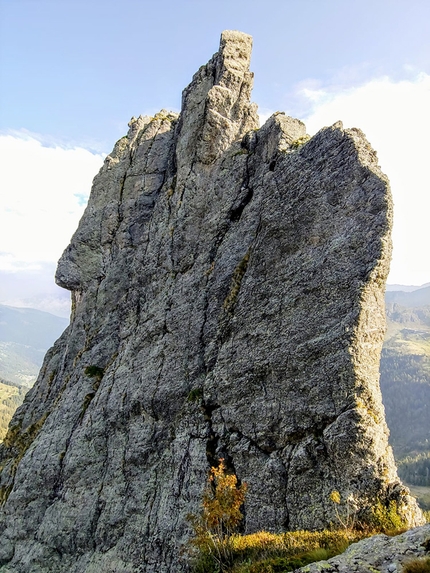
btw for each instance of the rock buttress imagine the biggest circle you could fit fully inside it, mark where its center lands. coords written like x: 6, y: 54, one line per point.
x: 227, y: 287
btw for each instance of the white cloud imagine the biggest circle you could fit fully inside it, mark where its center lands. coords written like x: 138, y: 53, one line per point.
x: 395, y: 116
x: 60, y: 306
x: 263, y: 114
x: 34, y: 288
x: 44, y: 192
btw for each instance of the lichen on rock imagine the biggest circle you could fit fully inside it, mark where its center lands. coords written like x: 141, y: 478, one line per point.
x: 228, y: 284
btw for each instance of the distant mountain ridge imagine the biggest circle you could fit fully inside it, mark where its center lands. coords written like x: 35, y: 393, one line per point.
x: 415, y: 298
x: 29, y: 327
x: 25, y: 336
x: 405, y: 288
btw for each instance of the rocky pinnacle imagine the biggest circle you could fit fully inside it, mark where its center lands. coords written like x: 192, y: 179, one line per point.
x: 228, y: 302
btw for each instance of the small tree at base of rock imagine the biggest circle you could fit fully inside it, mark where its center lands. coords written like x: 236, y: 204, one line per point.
x: 348, y: 519
x: 220, y: 516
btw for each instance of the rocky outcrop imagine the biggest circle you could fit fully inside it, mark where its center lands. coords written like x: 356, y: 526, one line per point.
x: 227, y: 286
x: 379, y: 554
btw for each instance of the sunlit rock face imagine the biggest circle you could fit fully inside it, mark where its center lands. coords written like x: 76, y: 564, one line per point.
x: 227, y: 284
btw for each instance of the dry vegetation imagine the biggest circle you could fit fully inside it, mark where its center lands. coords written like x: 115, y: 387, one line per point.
x: 216, y: 547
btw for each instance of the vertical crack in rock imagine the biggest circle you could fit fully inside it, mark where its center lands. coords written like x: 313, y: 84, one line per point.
x: 228, y: 281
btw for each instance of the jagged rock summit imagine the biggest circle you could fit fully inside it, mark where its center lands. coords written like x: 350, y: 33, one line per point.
x: 227, y: 285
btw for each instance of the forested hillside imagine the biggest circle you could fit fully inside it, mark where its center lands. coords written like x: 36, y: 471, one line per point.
x: 25, y: 336
x: 405, y: 385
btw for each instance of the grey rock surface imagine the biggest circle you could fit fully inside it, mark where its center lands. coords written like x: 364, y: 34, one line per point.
x: 227, y: 285
x: 379, y: 554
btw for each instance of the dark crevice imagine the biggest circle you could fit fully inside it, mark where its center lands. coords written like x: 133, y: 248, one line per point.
x: 215, y: 66
x: 250, y: 141
x: 236, y: 212
x: 212, y: 439
x: 264, y: 451
x: 218, y: 241
x: 202, y: 344
x: 121, y: 188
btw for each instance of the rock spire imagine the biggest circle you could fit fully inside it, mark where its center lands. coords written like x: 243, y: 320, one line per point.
x: 227, y: 285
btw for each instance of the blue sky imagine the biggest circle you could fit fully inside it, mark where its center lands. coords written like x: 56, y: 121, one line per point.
x: 72, y: 73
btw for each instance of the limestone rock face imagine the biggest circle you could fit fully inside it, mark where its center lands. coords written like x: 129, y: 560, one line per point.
x: 227, y: 286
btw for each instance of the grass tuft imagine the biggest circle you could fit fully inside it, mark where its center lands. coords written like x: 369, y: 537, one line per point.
x: 419, y: 565
x: 266, y: 552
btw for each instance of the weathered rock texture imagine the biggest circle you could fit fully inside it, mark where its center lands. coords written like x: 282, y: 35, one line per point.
x: 227, y: 288
x: 379, y: 554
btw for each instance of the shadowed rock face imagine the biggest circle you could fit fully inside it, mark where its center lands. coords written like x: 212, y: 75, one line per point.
x: 227, y: 287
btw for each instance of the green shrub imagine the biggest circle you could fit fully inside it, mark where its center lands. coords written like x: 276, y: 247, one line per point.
x: 387, y: 518
x: 93, y: 371
x: 195, y: 395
